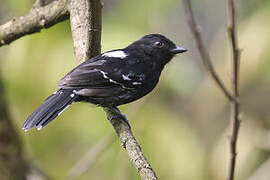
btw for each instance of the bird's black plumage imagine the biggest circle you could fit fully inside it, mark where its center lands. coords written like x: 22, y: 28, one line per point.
x: 111, y: 79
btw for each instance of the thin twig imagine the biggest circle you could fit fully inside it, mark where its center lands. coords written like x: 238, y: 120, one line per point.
x: 85, y: 163
x: 37, y: 19
x: 235, y: 83
x: 203, y: 52
x: 234, y: 96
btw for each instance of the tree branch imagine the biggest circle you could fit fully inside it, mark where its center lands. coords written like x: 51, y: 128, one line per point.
x: 203, y: 52
x: 39, y: 3
x: 38, y: 18
x: 235, y: 82
x: 130, y: 144
x: 234, y: 96
x: 85, y: 21
x: 86, y: 34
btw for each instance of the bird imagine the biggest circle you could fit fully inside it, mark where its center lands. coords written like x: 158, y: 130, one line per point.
x: 110, y: 79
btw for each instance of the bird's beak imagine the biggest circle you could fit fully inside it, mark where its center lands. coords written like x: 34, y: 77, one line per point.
x: 178, y: 50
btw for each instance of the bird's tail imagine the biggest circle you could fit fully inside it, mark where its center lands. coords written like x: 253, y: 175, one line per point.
x: 53, y: 106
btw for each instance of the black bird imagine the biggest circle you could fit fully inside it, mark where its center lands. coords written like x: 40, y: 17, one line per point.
x: 111, y: 79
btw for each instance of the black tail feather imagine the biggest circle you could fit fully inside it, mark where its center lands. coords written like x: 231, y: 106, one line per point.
x: 53, y: 106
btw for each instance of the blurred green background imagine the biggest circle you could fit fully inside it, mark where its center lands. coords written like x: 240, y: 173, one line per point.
x: 182, y: 126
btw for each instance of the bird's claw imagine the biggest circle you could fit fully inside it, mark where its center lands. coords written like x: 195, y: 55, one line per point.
x: 118, y: 115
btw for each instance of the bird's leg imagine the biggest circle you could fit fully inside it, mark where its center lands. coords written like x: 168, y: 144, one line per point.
x: 116, y: 114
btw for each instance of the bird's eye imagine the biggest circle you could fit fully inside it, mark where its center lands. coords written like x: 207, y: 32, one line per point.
x: 158, y: 44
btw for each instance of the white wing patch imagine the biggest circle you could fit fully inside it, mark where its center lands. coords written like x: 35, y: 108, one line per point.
x: 73, y: 94
x: 117, y: 54
x: 125, y: 77
x: 104, y: 74
x: 136, y: 83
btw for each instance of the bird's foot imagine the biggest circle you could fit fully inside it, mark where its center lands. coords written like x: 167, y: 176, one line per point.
x: 116, y: 114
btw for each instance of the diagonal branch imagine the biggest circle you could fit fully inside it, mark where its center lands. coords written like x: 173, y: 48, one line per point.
x: 90, y: 158
x: 234, y: 96
x: 235, y: 83
x: 86, y: 34
x: 39, y: 17
x: 203, y: 52
x: 130, y: 144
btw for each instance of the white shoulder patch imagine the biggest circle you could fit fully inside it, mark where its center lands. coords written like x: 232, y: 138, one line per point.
x: 117, y: 54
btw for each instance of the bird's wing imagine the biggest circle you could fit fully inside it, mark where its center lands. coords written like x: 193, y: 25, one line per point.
x: 100, y: 73
x: 87, y: 74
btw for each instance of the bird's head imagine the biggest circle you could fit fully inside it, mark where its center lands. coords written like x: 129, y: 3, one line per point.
x: 157, y: 46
